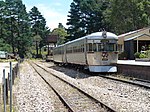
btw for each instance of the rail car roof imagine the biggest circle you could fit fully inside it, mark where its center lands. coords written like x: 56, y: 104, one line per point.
x: 96, y: 35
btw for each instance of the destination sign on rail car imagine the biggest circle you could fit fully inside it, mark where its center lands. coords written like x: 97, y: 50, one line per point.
x: 104, y: 41
x: 97, y: 41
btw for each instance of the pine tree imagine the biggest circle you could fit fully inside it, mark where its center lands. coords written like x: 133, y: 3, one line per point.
x: 86, y: 16
x: 129, y: 15
x: 92, y: 14
x: 38, y: 28
x: 18, y: 34
x: 2, y: 19
x: 75, y: 29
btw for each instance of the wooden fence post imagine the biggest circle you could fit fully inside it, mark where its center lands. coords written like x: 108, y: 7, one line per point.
x: 10, y: 86
x: 4, y: 90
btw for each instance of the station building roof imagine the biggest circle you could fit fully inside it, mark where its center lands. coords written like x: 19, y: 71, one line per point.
x: 142, y: 34
x: 139, y: 37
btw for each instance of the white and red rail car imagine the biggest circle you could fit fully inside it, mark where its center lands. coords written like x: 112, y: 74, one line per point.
x: 97, y: 52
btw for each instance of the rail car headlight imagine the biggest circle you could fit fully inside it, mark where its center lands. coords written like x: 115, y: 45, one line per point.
x: 116, y: 52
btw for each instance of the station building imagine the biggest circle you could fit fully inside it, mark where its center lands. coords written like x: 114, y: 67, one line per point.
x: 134, y: 41
x: 52, y: 42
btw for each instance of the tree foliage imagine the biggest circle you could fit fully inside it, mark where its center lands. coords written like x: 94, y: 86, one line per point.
x: 118, y: 16
x: 15, y: 27
x: 61, y: 32
x: 127, y: 15
x: 18, y: 29
x: 38, y: 28
x: 85, y: 17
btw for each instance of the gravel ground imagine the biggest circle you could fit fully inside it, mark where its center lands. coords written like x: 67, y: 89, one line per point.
x: 31, y: 94
x: 78, y: 101
x: 121, y: 96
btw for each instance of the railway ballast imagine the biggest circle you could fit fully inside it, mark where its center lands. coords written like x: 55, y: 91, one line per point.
x: 117, y: 95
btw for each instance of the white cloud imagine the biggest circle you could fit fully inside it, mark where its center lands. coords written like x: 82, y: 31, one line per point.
x: 52, y: 16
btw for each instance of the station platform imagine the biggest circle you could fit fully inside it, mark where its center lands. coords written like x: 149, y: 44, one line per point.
x: 133, y: 62
x: 132, y: 68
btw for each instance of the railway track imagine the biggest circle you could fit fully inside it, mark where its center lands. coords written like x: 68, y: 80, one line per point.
x: 136, y: 82
x: 133, y: 81
x: 129, y: 80
x: 75, y: 99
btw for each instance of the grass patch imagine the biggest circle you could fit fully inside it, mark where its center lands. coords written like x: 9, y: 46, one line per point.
x: 123, y: 77
x: 7, y: 60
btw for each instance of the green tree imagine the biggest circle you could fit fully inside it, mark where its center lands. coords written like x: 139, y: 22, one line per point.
x: 23, y: 29
x: 10, y: 19
x: 75, y: 30
x: 128, y: 15
x: 18, y: 27
x: 38, y: 28
x: 61, y: 32
x: 2, y: 19
x: 60, y: 25
x: 92, y: 15
x: 86, y: 16
x: 4, y: 46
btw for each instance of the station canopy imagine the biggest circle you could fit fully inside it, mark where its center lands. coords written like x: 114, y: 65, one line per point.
x: 139, y: 37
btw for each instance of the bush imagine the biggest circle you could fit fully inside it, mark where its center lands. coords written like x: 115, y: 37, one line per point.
x: 142, y: 55
x: 39, y: 56
x: 148, y: 53
x: 123, y: 55
x: 137, y: 55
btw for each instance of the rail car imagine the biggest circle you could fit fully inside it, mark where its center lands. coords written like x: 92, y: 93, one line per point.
x: 3, y: 55
x: 49, y: 56
x: 96, y: 52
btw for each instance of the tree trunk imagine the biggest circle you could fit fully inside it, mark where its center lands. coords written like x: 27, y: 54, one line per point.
x: 37, y: 53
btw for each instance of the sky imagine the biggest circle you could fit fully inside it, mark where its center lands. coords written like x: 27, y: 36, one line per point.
x: 54, y: 11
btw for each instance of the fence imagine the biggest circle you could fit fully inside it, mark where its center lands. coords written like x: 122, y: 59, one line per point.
x: 8, y: 83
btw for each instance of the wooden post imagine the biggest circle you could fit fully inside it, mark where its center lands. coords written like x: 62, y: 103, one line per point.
x: 137, y: 45
x: 10, y: 86
x: 8, y: 81
x: 4, y: 90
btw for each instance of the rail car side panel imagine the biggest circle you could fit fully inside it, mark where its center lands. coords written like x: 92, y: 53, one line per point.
x: 58, y: 58
x: 76, y: 58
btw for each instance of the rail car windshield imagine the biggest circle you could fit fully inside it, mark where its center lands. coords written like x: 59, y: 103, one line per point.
x: 103, y: 46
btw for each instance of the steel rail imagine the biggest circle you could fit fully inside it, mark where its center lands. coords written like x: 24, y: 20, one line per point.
x: 57, y: 93
x: 129, y: 82
x: 109, y: 109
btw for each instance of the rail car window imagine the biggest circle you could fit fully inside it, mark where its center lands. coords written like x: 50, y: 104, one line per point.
x: 94, y: 47
x: 82, y: 48
x: 110, y: 47
x: 90, y: 47
x: 58, y: 51
x: 100, y: 47
x: 78, y: 48
x: 69, y: 50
